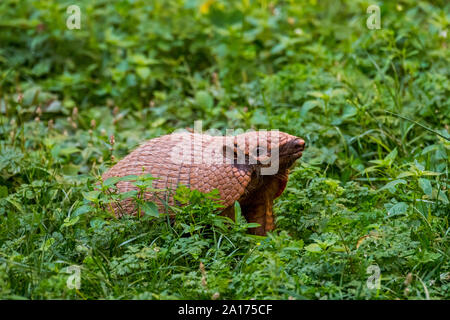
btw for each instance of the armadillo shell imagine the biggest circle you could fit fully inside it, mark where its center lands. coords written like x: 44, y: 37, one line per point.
x: 191, y: 159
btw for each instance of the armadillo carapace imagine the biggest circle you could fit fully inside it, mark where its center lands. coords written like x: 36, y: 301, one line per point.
x: 251, y: 168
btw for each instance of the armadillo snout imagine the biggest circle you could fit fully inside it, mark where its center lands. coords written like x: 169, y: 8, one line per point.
x: 297, y: 145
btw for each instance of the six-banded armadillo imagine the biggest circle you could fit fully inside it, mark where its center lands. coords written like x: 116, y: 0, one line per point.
x: 251, y: 168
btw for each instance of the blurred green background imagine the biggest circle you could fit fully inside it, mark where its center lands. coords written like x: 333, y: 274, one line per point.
x: 371, y: 189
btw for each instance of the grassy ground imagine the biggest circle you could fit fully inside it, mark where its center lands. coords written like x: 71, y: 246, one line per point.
x: 371, y: 189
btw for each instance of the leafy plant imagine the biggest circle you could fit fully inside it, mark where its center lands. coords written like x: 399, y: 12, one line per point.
x: 372, y: 188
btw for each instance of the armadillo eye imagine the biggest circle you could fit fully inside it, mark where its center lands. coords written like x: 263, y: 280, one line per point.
x: 258, y: 151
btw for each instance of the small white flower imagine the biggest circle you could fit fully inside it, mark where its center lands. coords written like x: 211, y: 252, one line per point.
x: 298, y: 31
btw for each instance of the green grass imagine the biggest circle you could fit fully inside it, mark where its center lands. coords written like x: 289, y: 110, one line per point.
x: 371, y: 188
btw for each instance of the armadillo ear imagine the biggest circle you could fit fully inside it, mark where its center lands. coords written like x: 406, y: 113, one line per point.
x: 233, y: 154
x: 230, y: 153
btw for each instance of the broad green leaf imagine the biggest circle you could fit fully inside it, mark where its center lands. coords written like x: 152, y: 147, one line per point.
x: 425, y: 185
x: 406, y: 174
x: 398, y: 208
x: 70, y: 221
x: 68, y: 151
x: 316, y: 94
x: 430, y: 173
x: 237, y: 212
x: 142, y: 60
x: 91, y: 195
x: 128, y: 194
x: 391, y: 156
x: 442, y: 197
x: 111, y: 181
x: 143, y: 72
x: 204, y: 100
x: 391, y: 186
x: 313, y: 247
x: 308, y: 105
x: 97, y: 223
x: 131, y: 177
x: 82, y: 210
x: 252, y: 225
x: 150, y: 209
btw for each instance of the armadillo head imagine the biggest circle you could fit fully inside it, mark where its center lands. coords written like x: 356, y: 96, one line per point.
x: 267, y: 149
x: 290, y: 149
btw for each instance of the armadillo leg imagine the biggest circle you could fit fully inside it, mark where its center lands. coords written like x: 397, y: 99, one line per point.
x: 260, y: 212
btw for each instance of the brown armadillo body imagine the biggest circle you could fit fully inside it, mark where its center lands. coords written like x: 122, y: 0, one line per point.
x: 232, y: 164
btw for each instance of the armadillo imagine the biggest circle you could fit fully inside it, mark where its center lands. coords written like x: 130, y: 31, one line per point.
x: 251, y: 168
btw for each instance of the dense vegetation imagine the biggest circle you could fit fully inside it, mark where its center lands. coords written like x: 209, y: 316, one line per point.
x: 370, y: 190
